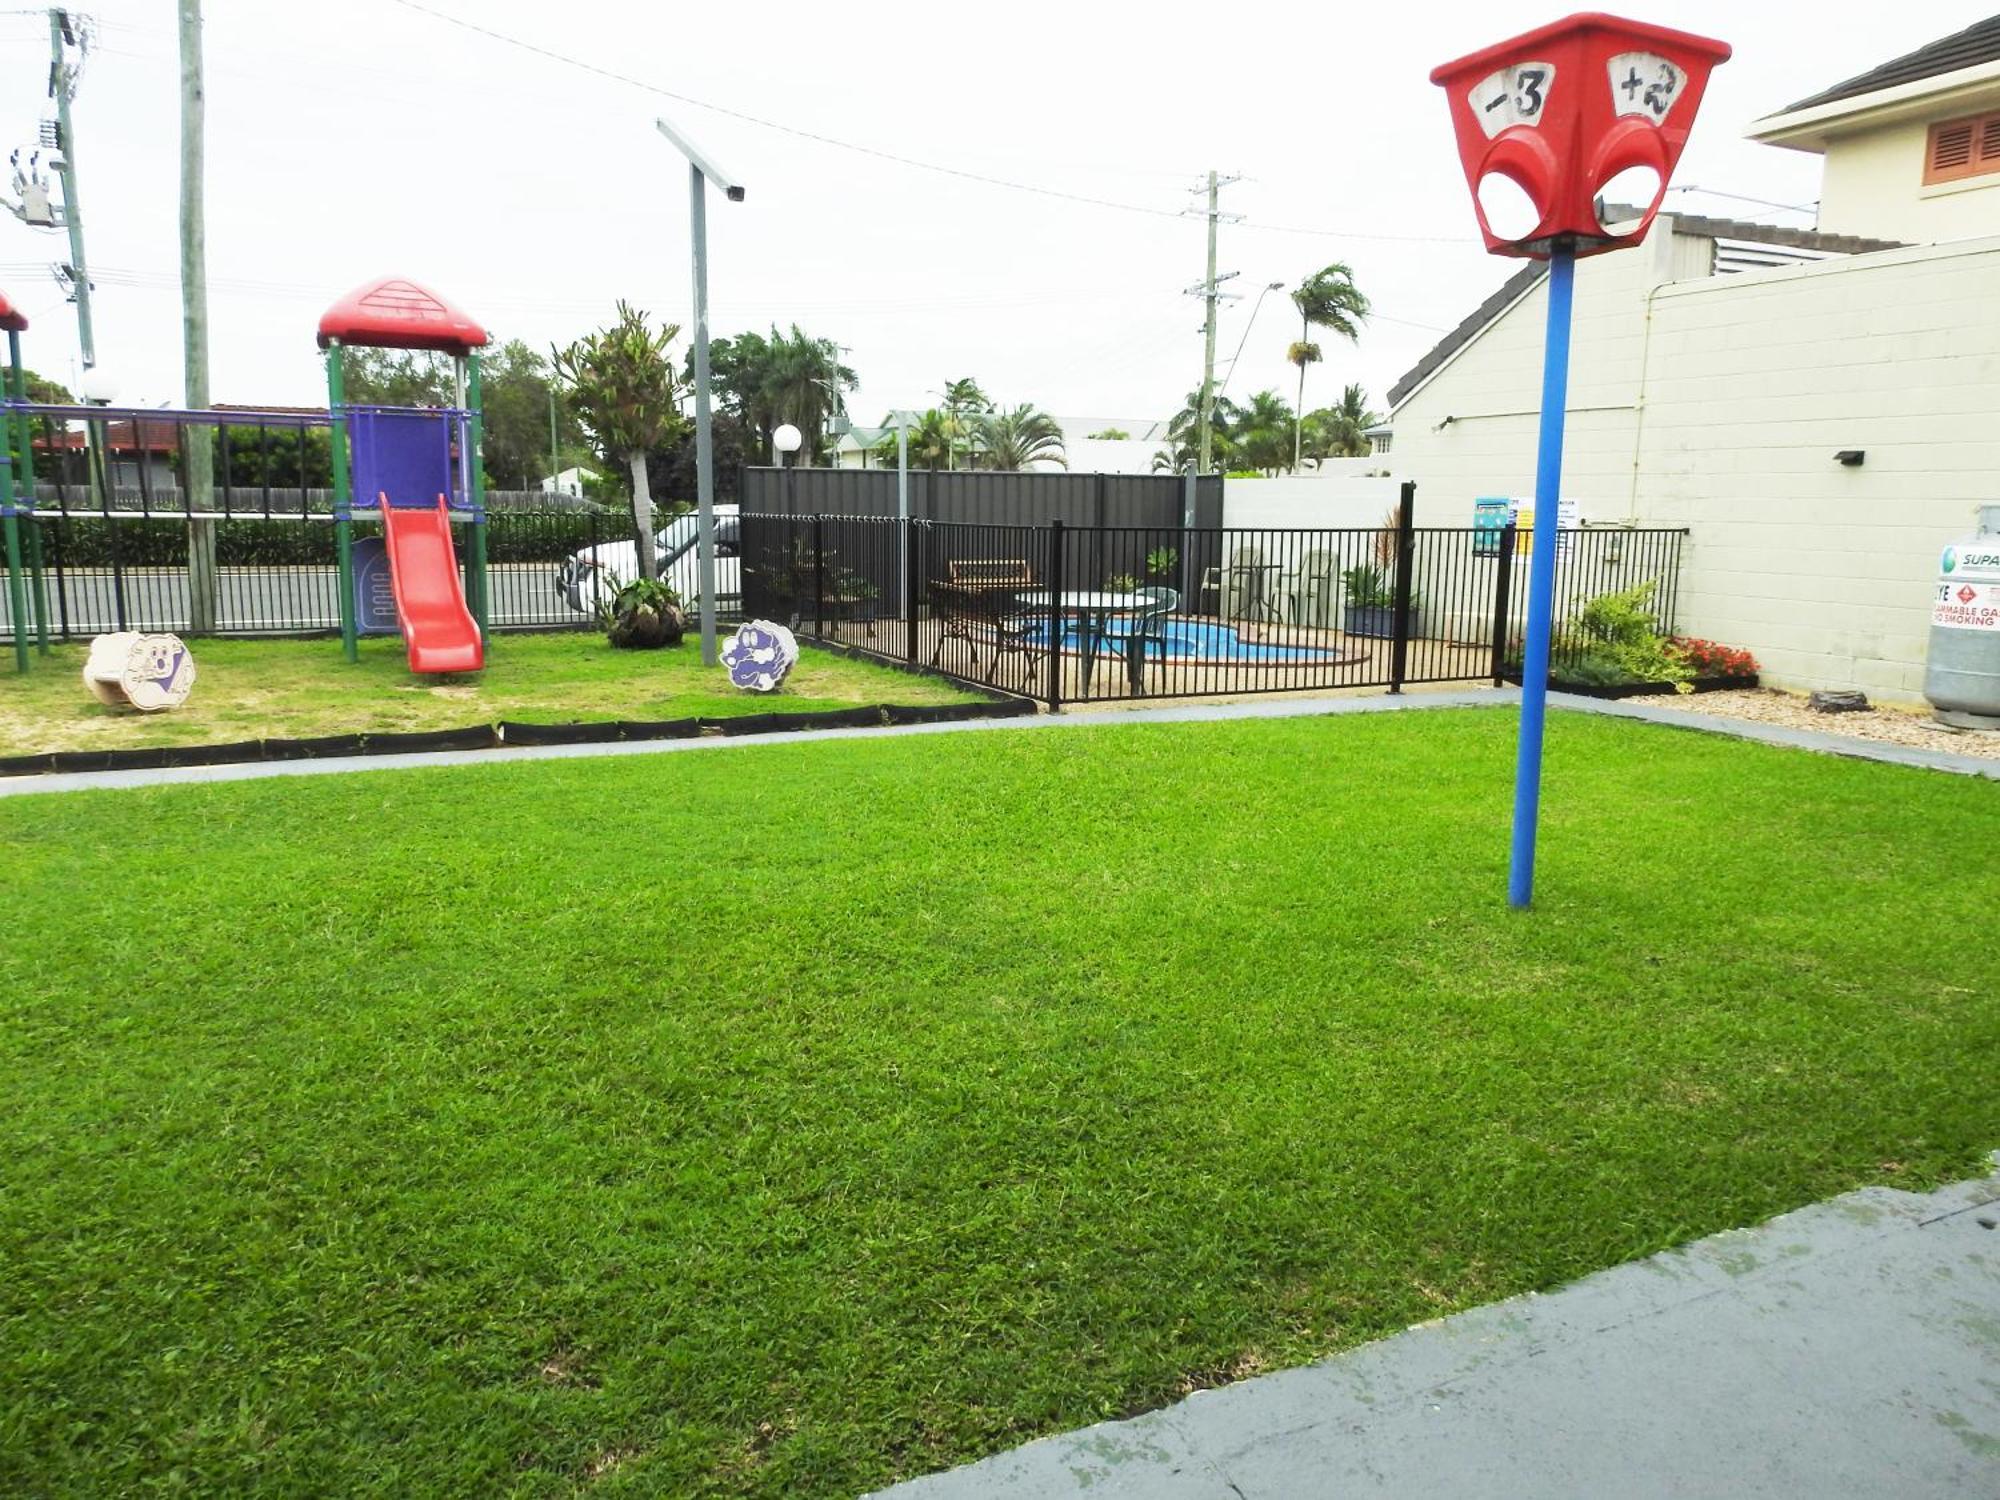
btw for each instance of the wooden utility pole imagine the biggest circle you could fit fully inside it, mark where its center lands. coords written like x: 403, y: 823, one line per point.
x: 197, y: 456
x: 1208, y: 289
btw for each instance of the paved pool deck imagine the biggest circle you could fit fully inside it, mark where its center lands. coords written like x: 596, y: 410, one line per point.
x: 1170, y: 713
x: 1849, y: 1349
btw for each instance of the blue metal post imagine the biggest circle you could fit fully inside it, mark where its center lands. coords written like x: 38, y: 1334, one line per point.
x: 1541, y: 577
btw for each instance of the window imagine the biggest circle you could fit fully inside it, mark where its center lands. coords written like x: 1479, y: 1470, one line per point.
x: 1962, y: 148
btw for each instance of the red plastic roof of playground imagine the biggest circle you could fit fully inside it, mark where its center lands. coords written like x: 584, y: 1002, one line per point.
x: 397, y: 313
x: 12, y: 319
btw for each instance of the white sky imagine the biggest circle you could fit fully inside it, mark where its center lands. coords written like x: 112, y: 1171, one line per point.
x: 359, y: 138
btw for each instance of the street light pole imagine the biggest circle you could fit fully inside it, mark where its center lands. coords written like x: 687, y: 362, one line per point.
x: 700, y: 169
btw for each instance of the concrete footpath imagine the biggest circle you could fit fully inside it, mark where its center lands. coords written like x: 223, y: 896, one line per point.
x: 1166, y: 713
x: 1849, y: 1349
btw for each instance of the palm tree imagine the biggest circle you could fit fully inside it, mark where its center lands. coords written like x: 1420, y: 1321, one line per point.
x: 1302, y: 352
x: 932, y: 442
x: 1015, y: 439
x: 1259, y: 433
x: 964, y: 404
x: 805, y: 383
x: 1184, y: 431
x: 623, y: 389
x: 1351, y: 421
x: 1326, y: 299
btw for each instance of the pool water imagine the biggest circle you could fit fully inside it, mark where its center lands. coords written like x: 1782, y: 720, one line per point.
x: 1186, y: 640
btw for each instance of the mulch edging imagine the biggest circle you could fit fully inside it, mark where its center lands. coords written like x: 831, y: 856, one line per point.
x: 506, y: 733
x: 1638, y: 689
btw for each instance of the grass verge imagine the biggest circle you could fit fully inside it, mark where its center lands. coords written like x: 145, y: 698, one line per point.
x: 786, y: 1119
x: 250, y: 689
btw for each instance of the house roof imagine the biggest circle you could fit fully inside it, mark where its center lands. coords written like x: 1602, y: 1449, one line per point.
x: 1978, y: 43
x: 1518, y: 284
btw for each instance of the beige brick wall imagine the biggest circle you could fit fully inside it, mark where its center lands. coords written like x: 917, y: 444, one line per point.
x: 1718, y: 403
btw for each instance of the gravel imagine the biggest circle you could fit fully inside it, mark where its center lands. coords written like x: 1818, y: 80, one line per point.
x: 1895, y: 726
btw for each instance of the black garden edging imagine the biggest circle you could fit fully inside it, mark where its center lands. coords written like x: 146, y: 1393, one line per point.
x: 506, y: 733
x: 1637, y: 689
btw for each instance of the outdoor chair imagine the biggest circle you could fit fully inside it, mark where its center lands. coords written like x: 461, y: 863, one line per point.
x: 1239, y: 585
x: 982, y: 615
x: 1147, y: 627
x: 1310, y: 591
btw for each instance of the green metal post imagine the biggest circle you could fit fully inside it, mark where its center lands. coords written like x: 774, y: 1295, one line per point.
x: 38, y: 584
x: 17, y: 593
x: 476, y: 441
x: 343, y: 496
x: 17, y: 590
x: 17, y: 386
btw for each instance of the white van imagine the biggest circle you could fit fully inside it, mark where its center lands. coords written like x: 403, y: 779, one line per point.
x: 585, y: 578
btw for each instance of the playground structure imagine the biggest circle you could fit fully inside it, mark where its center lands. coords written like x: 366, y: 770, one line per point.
x: 409, y: 462
x: 415, y: 469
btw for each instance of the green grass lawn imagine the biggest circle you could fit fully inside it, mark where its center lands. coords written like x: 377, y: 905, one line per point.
x: 781, y: 1120
x: 297, y: 689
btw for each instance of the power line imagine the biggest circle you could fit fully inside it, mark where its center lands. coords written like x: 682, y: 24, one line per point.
x: 897, y: 158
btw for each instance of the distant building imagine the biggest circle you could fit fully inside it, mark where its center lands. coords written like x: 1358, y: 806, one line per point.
x: 1911, y: 148
x: 570, y: 482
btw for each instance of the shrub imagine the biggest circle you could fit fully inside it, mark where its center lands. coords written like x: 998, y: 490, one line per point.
x: 1712, y: 658
x: 644, y: 614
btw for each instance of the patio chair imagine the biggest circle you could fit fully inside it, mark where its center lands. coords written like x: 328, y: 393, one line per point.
x: 1311, y: 591
x: 1147, y: 627
x: 1238, y: 585
x: 986, y: 616
x: 991, y: 572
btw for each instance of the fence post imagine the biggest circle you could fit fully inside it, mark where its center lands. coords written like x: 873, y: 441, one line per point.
x: 39, y: 583
x: 911, y: 564
x: 1399, y: 650
x: 1055, y: 615
x: 117, y: 567
x: 1503, y: 589
x: 819, y: 581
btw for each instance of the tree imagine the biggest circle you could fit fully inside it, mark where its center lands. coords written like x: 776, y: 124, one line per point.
x: 932, y: 444
x: 806, y: 384
x: 516, y: 389
x: 1257, y: 436
x: 1015, y: 439
x: 1184, y: 432
x: 623, y: 389
x: 1326, y: 299
x: 1110, y: 435
x: 397, y: 377
x: 1302, y: 352
x: 964, y: 404
x: 1347, y: 425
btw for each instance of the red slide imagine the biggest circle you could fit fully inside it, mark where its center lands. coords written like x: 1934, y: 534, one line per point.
x: 430, y: 600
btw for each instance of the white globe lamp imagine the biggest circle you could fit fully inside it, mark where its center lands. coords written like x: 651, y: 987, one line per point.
x: 98, y: 387
x: 786, y: 440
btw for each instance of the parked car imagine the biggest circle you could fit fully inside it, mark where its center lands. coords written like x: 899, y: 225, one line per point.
x: 595, y: 573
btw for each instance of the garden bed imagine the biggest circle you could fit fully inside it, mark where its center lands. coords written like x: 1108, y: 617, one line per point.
x: 1638, y: 689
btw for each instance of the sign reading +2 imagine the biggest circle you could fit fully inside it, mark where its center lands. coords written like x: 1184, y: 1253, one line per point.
x: 1644, y: 83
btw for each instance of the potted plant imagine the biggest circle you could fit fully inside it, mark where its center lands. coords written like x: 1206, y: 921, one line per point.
x: 643, y: 615
x: 1369, y: 602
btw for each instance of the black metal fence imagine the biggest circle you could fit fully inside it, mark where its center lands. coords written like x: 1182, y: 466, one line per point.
x: 275, y: 574
x: 1086, y: 614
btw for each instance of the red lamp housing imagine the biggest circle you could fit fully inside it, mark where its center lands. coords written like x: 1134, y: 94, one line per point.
x: 1561, y: 110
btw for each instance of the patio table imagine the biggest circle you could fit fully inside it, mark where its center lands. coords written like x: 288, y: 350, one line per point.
x: 1093, y: 609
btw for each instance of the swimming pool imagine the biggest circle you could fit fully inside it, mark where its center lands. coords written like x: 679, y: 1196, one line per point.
x: 1186, y: 640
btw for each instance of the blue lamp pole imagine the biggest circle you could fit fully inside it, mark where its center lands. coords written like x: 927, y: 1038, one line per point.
x: 1541, y: 577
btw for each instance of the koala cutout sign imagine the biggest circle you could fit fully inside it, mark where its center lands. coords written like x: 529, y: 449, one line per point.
x: 146, y: 672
